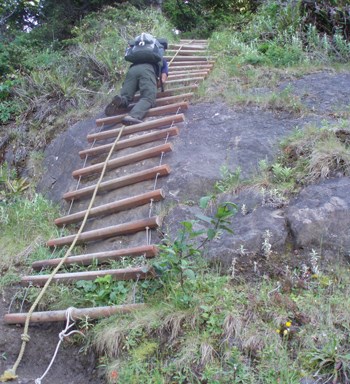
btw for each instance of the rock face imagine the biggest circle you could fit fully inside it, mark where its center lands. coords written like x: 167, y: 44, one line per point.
x: 320, y: 217
x: 214, y: 135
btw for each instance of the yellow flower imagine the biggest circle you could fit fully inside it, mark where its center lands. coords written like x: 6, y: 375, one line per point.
x: 278, y: 330
x: 288, y: 323
x: 285, y: 332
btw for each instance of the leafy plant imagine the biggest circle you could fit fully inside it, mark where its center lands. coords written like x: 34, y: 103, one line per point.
x: 331, y: 361
x: 229, y: 180
x: 178, y: 257
x: 103, y: 291
x: 10, y: 185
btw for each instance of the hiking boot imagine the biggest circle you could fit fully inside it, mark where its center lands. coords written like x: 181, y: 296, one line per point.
x: 113, y: 106
x: 129, y: 120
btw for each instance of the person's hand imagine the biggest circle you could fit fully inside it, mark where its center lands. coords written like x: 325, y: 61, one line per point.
x: 164, y: 77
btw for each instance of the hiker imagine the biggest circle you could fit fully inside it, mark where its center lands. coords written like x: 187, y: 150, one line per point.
x: 142, y: 76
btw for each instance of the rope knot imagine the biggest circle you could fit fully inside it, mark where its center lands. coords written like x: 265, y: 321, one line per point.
x: 25, y: 337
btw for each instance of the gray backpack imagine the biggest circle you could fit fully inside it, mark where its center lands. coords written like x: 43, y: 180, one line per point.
x: 145, y: 49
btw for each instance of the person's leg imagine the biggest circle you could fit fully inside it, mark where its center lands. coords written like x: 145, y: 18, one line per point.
x: 129, y: 88
x: 148, y: 91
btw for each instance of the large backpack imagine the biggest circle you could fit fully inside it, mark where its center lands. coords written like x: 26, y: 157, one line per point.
x: 146, y: 49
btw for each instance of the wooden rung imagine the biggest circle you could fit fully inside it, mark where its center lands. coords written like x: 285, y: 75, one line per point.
x: 113, y: 231
x: 196, y: 67
x: 189, y: 72
x: 186, y: 74
x: 170, y: 91
x: 124, y: 160
x: 186, y: 47
x: 176, y: 99
x: 193, y: 41
x: 76, y: 314
x: 187, y: 58
x: 114, y: 207
x: 172, y: 99
x: 98, y: 257
x: 120, y: 182
x: 117, y: 274
x: 158, y: 111
x: 132, y: 142
x: 199, y: 78
x: 182, y: 63
x: 185, y: 52
x: 147, y: 125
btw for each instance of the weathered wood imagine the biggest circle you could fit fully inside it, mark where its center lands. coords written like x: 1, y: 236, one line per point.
x: 123, y: 160
x: 185, y: 47
x: 76, y: 314
x: 186, y: 80
x: 120, y: 182
x: 165, y: 101
x: 185, y: 52
x: 112, y: 231
x: 114, y: 207
x: 158, y: 111
x: 69, y: 277
x: 191, y: 72
x: 147, y: 251
x: 147, y: 125
x: 187, y: 74
x: 188, y: 62
x: 132, y: 142
x: 177, y: 68
x: 187, y: 58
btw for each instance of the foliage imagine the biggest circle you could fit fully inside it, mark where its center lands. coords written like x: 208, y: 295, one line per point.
x: 249, y: 332
x: 201, y: 17
x: 102, y: 291
x: 317, y: 153
x: 23, y: 222
x: 178, y: 257
x: 11, y: 186
x: 229, y: 180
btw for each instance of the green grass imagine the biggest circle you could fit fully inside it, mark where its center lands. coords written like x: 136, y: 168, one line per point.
x: 25, y: 225
x: 230, y: 331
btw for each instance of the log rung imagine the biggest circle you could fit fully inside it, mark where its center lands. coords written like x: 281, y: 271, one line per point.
x: 132, y: 142
x: 159, y: 111
x: 147, y: 125
x: 114, y: 207
x: 135, y: 273
x: 186, y: 80
x: 124, y: 160
x: 76, y: 314
x: 120, y: 182
x: 147, y: 251
x: 107, y: 232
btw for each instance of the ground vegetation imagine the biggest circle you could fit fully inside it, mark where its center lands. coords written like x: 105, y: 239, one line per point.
x: 202, y: 324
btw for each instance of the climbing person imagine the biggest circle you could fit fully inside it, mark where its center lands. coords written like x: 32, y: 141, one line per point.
x: 148, y: 71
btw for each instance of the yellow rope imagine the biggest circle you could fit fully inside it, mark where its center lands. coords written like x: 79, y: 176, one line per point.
x: 11, y: 373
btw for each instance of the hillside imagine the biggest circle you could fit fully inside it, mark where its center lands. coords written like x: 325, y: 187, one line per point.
x: 271, y: 139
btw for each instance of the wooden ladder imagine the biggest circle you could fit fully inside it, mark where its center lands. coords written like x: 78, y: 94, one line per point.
x: 189, y: 64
